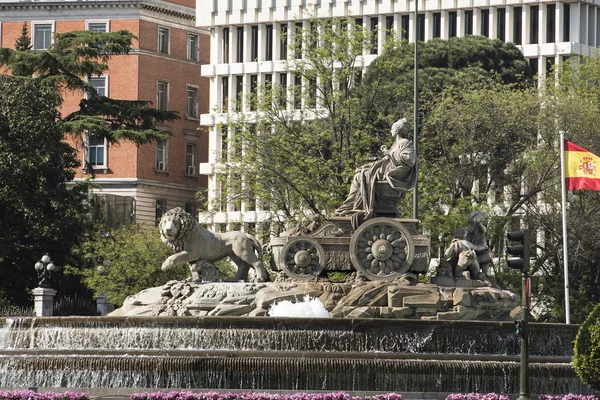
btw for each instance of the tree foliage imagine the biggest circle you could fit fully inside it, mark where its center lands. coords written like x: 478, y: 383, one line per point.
x: 297, y: 152
x: 134, y: 256
x: 459, y: 61
x: 572, y: 105
x: 67, y: 65
x: 586, y: 358
x: 41, y: 210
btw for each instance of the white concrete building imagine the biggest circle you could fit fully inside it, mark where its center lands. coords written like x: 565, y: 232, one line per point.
x: 246, y: 46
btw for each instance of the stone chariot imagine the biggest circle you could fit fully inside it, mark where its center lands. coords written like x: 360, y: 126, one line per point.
x: 384, y: 247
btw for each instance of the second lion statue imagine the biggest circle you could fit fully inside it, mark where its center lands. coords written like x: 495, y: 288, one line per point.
x: 192, y: 242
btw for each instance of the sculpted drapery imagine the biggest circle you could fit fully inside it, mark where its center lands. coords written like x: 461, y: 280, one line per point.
x: 396, y: 168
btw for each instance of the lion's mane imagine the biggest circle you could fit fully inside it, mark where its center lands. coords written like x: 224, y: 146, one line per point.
x: 187, y: 226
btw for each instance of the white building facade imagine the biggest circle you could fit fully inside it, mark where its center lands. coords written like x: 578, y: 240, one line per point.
x: 247, y: 49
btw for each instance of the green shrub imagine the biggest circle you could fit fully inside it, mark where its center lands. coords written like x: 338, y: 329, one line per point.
x: 586, y: 359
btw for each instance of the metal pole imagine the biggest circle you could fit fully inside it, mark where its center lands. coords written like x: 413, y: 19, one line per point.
x: 416, y: 113
x: 524, y: 382
x: 564, y: 224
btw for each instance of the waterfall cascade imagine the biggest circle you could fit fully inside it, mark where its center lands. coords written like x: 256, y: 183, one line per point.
x: 283, y: 354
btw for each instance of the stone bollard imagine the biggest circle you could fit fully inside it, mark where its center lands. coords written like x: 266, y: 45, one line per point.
x: 44, y: 301
x: 101, y: 306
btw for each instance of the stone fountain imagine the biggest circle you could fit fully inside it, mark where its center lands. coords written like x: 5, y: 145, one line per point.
x: 389, y: 332
x: 262, y: 353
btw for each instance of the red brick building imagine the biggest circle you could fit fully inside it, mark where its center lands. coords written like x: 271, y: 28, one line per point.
x: 164, y: 68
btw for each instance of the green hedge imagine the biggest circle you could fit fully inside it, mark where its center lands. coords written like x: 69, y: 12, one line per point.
x: 586, y: 359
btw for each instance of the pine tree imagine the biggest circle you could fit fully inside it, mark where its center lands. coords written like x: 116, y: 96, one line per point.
x: 23, y: 42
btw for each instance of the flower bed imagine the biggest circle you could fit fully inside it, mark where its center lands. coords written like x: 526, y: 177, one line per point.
x: 31, y: 395
x: 257, y: 396
x: 476, y: 396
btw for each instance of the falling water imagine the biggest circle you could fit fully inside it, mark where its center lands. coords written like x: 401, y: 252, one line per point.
x: 282, y: 354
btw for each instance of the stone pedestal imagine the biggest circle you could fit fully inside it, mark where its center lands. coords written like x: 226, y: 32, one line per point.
x: 101, y: 306
x: 44, y: 301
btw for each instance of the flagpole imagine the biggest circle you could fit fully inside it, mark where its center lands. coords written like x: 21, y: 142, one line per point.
x: 564, y: 224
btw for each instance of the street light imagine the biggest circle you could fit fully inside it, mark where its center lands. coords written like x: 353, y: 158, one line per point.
x: 45, y: 267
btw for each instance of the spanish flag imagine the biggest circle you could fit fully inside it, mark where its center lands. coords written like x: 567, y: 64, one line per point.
x: 582, y: 168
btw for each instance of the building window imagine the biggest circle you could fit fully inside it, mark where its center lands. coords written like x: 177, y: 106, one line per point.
x: 190, y: 208
x: 549, y: 64
x: 190, y: 158
x: 268, y: 90
x: 533, y: 65
x: 405, y: 26
x: 313, y: 36
x: 192, y: 102
x: 421, y: 27
x: 269, y: 43
x: 283, y: 29
x: 239, y: 57
x: 468, y: 22
x: 501, y: 24
x: 96, y: 152
x: 254, y: 43
x: 297, y: 92
x: 161, y: 155
x: 517, y: 25
x: 534, y: 19
x: 99, y: 84
x: 550, y: 23
x: 192, y: 47
x: 437, y: 25
x: 566, y: 22
x: 239, y: 92
x: 163, y: 40
x: 374, y: 34
x: 225, y: 93
x: 312, y: 93
x: 485, y: 23
x: 162, y: 95
x: 298, y: 40
x: 42, y: 36
x: 452, y: 24
x: 225, y: 58
x: 161, y: 208
x: 389, y: 25
x: 282, y: 90
x: 97, y: 26
x: 253, y: 92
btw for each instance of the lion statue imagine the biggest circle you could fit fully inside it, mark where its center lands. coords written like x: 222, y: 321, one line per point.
x: 191, y: 242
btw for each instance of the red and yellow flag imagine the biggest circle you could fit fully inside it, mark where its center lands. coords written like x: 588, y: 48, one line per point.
x: 581, y: 171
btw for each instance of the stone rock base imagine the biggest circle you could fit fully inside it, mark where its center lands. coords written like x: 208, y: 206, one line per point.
x: 343, y: 300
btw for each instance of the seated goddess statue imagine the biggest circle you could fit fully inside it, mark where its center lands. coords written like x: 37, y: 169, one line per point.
x: 396, y: 168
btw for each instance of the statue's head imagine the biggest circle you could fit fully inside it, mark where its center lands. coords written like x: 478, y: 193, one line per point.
x: 400, y: 127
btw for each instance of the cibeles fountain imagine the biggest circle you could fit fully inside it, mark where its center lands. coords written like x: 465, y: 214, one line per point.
x: 387, y: 331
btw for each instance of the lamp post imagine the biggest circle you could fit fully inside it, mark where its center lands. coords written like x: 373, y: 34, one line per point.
x: 45, y: 267
x: 101, y: 305
x: 44, y: 294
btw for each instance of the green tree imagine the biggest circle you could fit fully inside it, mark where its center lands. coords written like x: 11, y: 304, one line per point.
x: 41, y: 210
x: 586, y: 358
x: 67, y: 65
x: 297, y: 154
x: 133, y: 255
x: 457, y: 62
x: 23, y: 42
x: 571, y: 104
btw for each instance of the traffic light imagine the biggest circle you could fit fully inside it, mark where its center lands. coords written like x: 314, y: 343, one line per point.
x: 518, y: 327
x: 520, y: 250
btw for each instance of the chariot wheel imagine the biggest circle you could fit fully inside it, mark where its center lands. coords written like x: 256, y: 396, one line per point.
x: 382, y: 249
x: 302, y: 258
